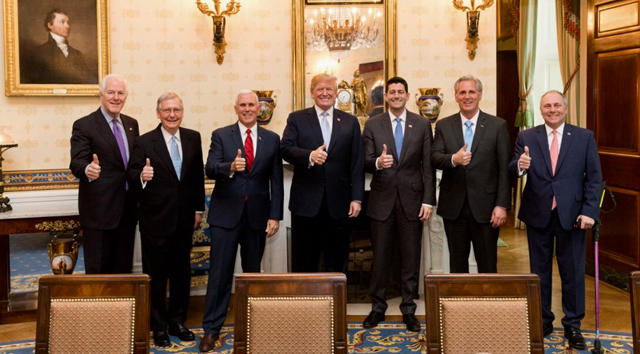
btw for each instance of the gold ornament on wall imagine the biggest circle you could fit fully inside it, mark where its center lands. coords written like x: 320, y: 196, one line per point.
x: 219, y: 23
x: 473, y: 21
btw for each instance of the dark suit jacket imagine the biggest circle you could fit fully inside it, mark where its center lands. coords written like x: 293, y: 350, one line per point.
x: 168, y: 203
x: 575, y: 183
x: 485, y: 181
x: 341, y: 176
x: 48, y: 65
x: 100, y: 202
x: 412, y: 178
x: 262, y: 186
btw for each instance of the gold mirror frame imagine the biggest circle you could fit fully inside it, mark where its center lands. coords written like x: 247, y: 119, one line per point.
x: 390, y: 43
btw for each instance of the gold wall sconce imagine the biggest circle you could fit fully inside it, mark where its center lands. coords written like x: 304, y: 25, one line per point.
x: 219, y: 23
x: 473, y: 20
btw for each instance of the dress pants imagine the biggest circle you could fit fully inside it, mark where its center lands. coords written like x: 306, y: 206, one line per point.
x: 168, y: 258
x: 224, y: 247
x: 570, y: 250
x: 463, y: 231
x: 321, y: 233
x: 111, y: 251
x: 385, y: 234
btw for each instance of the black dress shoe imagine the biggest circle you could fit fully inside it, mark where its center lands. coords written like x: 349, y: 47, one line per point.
x: 547, y: 329
x: 373, y: 319
x: 412, y: 322
x: 161, y: 339
x: 181, y: 331
x: 208, y: 342
x: 576, y: 340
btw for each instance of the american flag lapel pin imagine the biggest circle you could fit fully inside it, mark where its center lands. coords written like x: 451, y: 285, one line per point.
x: 130, y: 128
x: 568, y: 133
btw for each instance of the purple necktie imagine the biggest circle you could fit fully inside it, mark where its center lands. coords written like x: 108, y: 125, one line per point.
x: 123, y: 152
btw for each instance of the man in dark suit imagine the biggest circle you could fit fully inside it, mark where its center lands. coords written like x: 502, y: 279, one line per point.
x: 55, y: 61
x: 559, y: 203
x: 246, y: 205
x: 166, y: 168
x: 324, y: 145
x: 100, y: 145
x: 472, y: 149
x: 377, y: 100
x: 397, y: 146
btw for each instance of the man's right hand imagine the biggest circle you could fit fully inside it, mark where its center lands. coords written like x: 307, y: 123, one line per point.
x: 319, y: 156
x: 385, y: 160
x: 462, y: 157
x: 525, y: 160
x: 93, y: 170
x: 147, y: 172
x: 238, y: 163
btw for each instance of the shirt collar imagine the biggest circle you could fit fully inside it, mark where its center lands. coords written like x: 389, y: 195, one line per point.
x: 473, y: 119
x: 108, y: 117
x: 560, y: 129
x: 319, y: 111
x: 58, y: 38
x: 167, y: 136
x: 243, y: 128
x: 402, y: 117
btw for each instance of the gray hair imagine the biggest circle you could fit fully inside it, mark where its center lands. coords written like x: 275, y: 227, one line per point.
x: 168, y: 96
x: 105, y: 79
x: 246, y: 92
x: 456, y: 86
x: 564, y: 98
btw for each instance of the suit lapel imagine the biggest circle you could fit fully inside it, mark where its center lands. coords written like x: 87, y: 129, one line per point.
x: 187, y: 149
x: 408, y: 130
x: 107, y: 134
x: 259, y: 145
x: 129, y: 131
x: 388, y: 131
x: 477, y: 135
x: 312, y: 118
x: 457, y: 130
x: 565, y: 145
x: 541, y: 135
x: 335, y: 129
x: 160, y: 146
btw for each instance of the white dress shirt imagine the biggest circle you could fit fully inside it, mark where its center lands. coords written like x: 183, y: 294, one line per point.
x: 329, y: 119
x: 167, y: 140
x: 254, y: 138
x: 464, y: 120
x: 62, y: 43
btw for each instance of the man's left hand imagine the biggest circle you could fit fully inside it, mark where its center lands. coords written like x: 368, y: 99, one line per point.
x: 197, y: 221
x: 425, y: 212
x: 584, y: 222
x: 354, y: 209
x: 272, y: 227
x: 498, y: 217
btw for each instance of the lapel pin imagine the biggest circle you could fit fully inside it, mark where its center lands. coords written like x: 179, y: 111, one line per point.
x: 568, y: 133
x: 338, y: 119
x: 410, y: 126
x: 259, y: 138
x: 482, y: 125
x: 130, y: 128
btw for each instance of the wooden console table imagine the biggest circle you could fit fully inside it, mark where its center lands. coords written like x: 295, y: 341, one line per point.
x: 26, y: 218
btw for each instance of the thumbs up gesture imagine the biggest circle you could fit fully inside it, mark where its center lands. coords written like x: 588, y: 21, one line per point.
x: 524, y: 162
x: 93, y: 169
x: 147, y: 172
x: 238, y: 163
x: 462, y: 157
x: 319, y: 156
x: 385, y: 160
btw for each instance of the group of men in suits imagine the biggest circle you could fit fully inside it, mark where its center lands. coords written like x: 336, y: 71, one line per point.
x: 158, y: 178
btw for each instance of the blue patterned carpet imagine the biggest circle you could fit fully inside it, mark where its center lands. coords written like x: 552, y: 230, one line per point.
x: 29, y: 261
x: 389, y: 337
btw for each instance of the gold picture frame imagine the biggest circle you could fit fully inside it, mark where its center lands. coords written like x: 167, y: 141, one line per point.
x: 28, y: 45
x: 505, y: 19
x: 301, y: 77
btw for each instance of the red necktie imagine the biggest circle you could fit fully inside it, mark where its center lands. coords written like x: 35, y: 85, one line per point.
x: 553, y: 151
x: 248, y: 150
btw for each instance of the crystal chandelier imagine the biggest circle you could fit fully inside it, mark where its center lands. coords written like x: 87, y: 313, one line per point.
x: 341, y: 29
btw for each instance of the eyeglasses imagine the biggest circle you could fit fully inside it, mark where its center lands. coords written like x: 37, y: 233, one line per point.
x: 170, y: 110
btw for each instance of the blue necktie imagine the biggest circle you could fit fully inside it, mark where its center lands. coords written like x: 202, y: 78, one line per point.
x: 468, y: 135
x: 398, y: 136
x: 326, y: 129
x: 175, y: 156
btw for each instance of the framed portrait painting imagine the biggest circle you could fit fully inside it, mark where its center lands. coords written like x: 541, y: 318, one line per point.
x: 505, y: 19
x: 55, y: 47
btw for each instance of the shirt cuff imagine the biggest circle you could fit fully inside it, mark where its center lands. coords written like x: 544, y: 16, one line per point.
x: 311, y: 164
x: 452, y: 164
x: 378, y: 168
x: 427, y: 205
x: 85, y: 173
x: 144, y: 184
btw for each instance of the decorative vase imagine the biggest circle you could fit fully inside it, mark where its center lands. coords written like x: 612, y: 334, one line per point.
x: 429, y: 102
x: 267, y: 106
x: 63, y: 253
